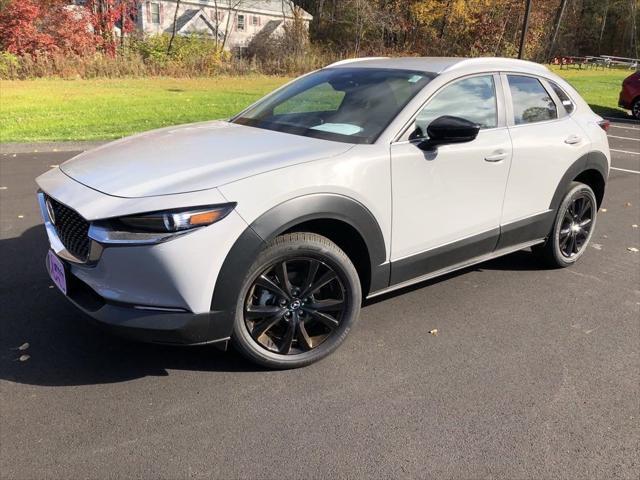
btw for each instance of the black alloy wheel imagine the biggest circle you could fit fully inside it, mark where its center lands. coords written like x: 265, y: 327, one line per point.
x: 294, y: 305
x: 298, y: 302
x: 573, y: 227
x: 576, y: 225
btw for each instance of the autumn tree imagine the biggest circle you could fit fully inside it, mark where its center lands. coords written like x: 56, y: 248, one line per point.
x: 44, y: 26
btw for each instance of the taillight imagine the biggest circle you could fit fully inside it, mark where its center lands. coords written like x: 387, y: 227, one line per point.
x: 604, y: 124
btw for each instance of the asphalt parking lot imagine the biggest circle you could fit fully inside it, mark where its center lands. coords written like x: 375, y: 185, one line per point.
x: 534, y: 373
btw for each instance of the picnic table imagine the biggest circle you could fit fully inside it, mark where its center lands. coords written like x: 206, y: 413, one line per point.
x: 591, y: 62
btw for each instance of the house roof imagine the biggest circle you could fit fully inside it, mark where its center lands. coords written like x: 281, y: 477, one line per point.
x: 273, y: 7
x: 189, y: 17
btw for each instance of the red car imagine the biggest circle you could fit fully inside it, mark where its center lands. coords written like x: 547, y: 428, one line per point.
x: 630, y: 94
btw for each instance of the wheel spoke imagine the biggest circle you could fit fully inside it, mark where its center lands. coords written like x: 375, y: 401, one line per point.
x: 327, y: 320
x: 321, y: 282
x: 268, y: 284
x: 303, y: 337
x: 283, y: 277
x: 585, y: 222
x: 568, y: 217
x: 259, y: 311
x: 564, y: 239
x: 311, y: 274
x: 572, y: 245
x: 287, y: 340
x: 329, y: 304
x: 262, y: 327
x: 585, y: 207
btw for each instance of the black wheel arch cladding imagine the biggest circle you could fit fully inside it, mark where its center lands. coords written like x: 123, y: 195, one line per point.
x: 283, y: 217
x: 594, y: 160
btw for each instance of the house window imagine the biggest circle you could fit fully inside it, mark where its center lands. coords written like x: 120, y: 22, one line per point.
x: 255, y: 21
x: 240, y: 24
x: 155, y: 13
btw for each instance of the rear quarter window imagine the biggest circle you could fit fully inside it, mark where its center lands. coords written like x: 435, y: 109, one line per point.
x: 567, y: 103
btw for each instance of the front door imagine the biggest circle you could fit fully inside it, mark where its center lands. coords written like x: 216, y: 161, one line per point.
x: 447, y: 202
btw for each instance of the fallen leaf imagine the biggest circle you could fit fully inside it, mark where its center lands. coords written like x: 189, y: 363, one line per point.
x: 605, y: 236
x: 597, y: 246
x: 24, y: 358
x: 3, y: 188
x: 634, y: 226
x: 20, y: 216
x: 14, y: 155
x: 603, y: 209
x: 633, y: 249
x: 434, y: 332
x: 24, y: 346
x: 628, y: 204
x: 53, y: 166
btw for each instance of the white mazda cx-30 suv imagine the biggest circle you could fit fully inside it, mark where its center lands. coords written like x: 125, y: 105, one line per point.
x: 270, y: 229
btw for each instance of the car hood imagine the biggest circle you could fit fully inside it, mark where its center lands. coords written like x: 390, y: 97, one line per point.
x: 192, y: 157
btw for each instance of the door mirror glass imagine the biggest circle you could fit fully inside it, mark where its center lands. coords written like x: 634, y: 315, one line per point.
x: 447, y: 129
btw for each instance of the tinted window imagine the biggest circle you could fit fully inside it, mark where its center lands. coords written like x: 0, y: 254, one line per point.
x: 531, y: 102
x: 352, y: 105
x: 473, y: 99
x: 567, y: 103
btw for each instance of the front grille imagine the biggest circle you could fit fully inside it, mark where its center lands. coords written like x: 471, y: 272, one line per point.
x: 72, y: 229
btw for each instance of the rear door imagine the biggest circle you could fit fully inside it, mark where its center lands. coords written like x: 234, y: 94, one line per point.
x: 546, y: 141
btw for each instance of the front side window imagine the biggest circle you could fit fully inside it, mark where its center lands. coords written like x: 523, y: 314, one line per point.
x: 473, y: 99
x: 155, y: 13
x: 567, y: 103
x: 531, y: 102
x: 352, y: 105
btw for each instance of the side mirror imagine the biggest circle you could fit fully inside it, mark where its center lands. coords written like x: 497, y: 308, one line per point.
x: 448, y: 129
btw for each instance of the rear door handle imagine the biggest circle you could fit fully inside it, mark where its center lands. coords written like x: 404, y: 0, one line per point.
x: 496, y: 156
x: 573, y: 139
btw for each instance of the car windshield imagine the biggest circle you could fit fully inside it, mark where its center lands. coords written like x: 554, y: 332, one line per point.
x: 352, y: 105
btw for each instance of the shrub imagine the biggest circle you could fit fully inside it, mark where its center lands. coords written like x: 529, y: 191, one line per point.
x: 9, y: 65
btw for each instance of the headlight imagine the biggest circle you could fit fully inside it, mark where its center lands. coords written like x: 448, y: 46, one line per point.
x: 156, y: 227
x: 174, y: 220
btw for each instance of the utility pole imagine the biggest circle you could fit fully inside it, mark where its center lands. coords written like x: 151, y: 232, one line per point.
x: 556, y: 29
x: 525, y: 26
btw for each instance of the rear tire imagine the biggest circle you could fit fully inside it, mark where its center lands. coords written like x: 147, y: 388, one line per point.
x: 635, y: 109
x: 298, y: 302
x: 572, y: 229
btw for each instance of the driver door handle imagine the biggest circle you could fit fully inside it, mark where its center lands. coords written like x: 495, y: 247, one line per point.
x: 496, y: 156
x: 573, y: 139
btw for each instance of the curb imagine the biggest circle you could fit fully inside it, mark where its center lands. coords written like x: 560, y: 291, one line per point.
x: 47, y: 147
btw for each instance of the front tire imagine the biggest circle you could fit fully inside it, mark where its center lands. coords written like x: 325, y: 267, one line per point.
x: 298, y: 302
x: 573, y: 227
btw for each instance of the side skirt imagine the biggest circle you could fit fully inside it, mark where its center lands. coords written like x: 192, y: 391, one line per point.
x: 458, y: 266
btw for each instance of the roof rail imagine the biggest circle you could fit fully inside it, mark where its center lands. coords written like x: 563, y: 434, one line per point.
x: 496, y: 62
x: 354, y: 60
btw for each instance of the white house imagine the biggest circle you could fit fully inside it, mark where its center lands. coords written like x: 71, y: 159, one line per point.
x: 240, y: 20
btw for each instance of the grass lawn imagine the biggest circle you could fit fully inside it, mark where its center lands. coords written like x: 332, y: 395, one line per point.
x: 52, y: 109
x: 600, y: 88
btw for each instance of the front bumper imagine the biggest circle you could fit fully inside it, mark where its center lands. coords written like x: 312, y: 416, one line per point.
x: 153, y: 292
x: 149, y: 324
